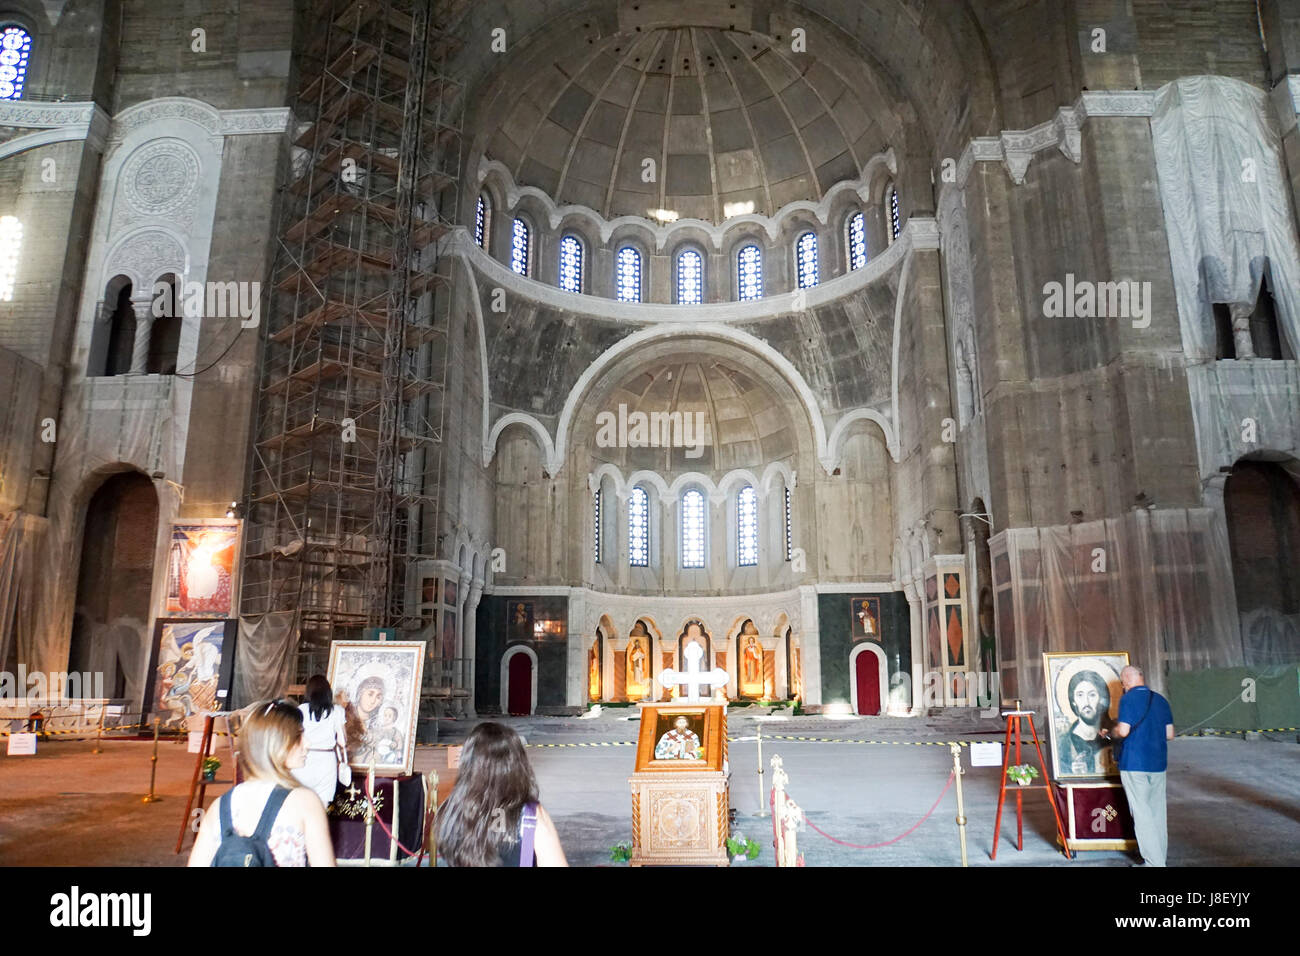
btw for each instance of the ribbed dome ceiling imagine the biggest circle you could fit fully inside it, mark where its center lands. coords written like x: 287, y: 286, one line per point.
x: 729, y: 118
x: 744, y: 424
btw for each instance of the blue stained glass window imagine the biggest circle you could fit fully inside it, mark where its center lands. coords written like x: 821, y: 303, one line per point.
x: 747, y: 527
x: 807, y: 253
x: 895, y: 219
x: 693, y: 529
x: 638, y: 528
x: 690, y: 278
x: 570, y: 264
x: 481, y: 222
x: 15, y: 47
x: 628, y: 275
x: 519, y: 248
x: 596, y: 525
x: 857, y: 241
x: 789, y: 536
x: 749, y: 263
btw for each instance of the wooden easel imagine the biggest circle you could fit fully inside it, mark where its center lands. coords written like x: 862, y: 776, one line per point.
x: 1015, y: 719
x: 199, y: 786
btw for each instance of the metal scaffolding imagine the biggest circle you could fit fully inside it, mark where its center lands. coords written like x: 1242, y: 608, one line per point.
x: 343, y: 500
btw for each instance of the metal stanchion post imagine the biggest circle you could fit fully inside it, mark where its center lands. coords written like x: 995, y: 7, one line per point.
x: 961, y: 806
x: 762, y: 791
x: 152, y: 797
x: 99, y: 734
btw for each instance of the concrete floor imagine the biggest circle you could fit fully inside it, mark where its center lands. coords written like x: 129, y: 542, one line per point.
x: 1231, y: 802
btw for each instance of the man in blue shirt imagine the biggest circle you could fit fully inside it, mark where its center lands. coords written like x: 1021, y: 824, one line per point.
x: 1145, y: 725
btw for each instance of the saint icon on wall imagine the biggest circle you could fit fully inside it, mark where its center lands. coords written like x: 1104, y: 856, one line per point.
x: 866, y: 618
x: 751, y: 662
x: 638, y: 663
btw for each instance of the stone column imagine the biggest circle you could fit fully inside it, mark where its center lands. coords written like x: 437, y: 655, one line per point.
x: 1241, y: 343
x: 469, y: 624
x: 142, y: 306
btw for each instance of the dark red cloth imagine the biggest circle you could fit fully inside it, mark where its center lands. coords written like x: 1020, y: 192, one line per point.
x: 349, y: 832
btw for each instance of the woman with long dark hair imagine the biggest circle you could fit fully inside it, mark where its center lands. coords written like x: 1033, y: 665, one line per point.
x: 492, y: 816
x: 323, y: 725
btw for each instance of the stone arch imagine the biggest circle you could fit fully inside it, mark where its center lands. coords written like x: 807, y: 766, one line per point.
x: 510, y: 652
x: 882, y: 671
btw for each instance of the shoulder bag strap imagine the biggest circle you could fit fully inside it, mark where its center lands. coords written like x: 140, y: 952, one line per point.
x: 272, y: 809
x: 1150, y: 697
x: 528, y: 832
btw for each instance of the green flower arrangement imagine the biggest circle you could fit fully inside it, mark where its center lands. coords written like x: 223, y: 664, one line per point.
x: 742, y: 847
x: 620, y: 852
x: 1022, y: 773
x: 210, y: 767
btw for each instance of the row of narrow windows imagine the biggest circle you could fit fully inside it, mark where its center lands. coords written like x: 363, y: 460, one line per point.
x: 629, y: 278
x: 694, y: 519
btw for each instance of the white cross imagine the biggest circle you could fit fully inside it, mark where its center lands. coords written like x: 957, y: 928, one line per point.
x: 693, y: 677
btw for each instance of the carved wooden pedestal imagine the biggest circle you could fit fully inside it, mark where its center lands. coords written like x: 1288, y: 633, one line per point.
x: 679, y: 819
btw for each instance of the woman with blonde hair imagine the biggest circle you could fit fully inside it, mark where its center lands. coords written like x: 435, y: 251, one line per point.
x: 492, y: 816
x: 269, y: 810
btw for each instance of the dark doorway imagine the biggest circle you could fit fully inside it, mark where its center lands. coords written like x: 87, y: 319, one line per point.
x: 115, y: 581
x: 1262, y: 505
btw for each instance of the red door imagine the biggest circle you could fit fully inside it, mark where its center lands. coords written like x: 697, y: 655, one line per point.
x: 868, y: 678
x: 520, y: 695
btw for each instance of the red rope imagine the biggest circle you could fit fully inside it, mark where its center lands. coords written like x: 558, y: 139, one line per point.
x: 380, y: 820
x: 877, y: 846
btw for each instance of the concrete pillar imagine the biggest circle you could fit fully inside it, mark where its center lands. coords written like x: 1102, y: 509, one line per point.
x: 911, y: 589
x: 1241, y: 343
x: 142, y: 306
x: 470, y: 625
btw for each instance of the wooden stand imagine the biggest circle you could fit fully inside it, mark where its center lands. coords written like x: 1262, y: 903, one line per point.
x: 1097, y: 815
x: 198, y: 785
x: 1015, y: 719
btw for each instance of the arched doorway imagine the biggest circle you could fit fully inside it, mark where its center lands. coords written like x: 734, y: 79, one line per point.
x: 519, y: 681
x: 115, y: 581
x: 868, y: 686
x: 595, y: 667
x: 1262, y: 506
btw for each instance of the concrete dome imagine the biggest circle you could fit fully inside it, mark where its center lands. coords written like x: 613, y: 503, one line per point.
x: 735, y: 419
x: 734, y: 121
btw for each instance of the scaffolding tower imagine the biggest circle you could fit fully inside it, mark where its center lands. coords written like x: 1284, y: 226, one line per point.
x: 343, y: 498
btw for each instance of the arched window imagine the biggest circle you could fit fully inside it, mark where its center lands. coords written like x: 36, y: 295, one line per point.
x: 627, y: 276
x: 789, y: 531
x: 638, y: 528
x: 482, y: 221
x: 892, y: 213
x: 855, y: 240
x: 521, y: 248
x: 571, y: 264
x: 11, y: 244
x: 15, y: 47
x: 693, y: 529
x: 806, y: 256
x: 690, y: 277
x: 749, y: 273
x: 596, y: 523
x: 747, y: 527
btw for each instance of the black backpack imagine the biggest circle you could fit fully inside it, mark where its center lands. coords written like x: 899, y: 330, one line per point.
x: 236, y: 850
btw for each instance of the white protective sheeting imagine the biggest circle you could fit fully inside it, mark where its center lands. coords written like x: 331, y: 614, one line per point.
x: 1241, y: 408
x: 1154, y: 583
x: 20, y: 539
x: 1227, y: 207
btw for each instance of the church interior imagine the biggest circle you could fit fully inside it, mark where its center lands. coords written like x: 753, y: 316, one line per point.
x: 884, y: 351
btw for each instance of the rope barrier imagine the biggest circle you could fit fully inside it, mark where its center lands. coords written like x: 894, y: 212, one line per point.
x: 877, y: 846
x: 374, y: 813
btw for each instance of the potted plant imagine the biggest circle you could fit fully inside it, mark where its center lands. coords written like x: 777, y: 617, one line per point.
x: 620, y: 852
x: 1022, y: 773
x: 210, y: 765
x: 741, y: 849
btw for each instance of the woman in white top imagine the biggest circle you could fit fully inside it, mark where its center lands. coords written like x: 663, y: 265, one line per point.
x: 324, y: 729
x: 271, y: 746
